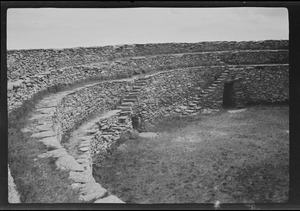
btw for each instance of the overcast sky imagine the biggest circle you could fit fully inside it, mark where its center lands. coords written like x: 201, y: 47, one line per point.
x: 64, y: 28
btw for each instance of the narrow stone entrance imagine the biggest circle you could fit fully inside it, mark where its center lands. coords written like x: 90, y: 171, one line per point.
x: 135, y: 122
x: 229, y: 95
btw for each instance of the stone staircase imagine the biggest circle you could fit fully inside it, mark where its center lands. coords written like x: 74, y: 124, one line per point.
x: 204, y: 99
x: 131, y: 97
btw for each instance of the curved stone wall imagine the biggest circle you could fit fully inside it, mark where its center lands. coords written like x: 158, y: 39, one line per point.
x: 41, y: 60
x: 80, y: 104
x: 24, y: 86
x: 183, y: 79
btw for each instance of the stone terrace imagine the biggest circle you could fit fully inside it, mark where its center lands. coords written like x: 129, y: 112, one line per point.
x: 133, y: 80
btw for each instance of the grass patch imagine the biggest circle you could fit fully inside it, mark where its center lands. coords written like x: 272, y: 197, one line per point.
x: 232, y: 158
x: 37, y: 180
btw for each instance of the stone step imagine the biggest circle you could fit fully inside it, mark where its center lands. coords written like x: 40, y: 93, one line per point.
x: 137, y: 87
x: 129, y: 100
x: 127, y: 104
x: 131, y: 95
x: 124, y: 113
x: 140, y: 83
x: 142, y: 80
x: 210, y: 89
x: 204, y: 95
x: 122, y: 119
x: 195, y: 108
x: 124, y: 108
x: 134, y: 92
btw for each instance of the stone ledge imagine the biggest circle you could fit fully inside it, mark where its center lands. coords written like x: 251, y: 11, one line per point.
x: 110, y: 200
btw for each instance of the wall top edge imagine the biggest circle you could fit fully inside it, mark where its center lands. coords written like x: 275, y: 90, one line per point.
x: 145, y: 44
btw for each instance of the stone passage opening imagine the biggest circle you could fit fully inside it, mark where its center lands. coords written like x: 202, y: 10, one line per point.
x: 135, y: 122
x: 229, y: 95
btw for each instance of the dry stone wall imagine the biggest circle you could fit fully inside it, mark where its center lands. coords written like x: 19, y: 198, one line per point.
x: 41, y: 60
x: 186, y: 91
x: 32, y: 71
x: 167, y: 92
x: 265, y: 84
x: 187, y: 80
x: 109, y: 129
x: 167, y: 62
x: 27, y: 86
x: 98, y: 98
x: 168, y: 48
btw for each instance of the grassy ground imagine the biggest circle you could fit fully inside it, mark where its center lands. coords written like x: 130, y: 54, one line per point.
x: 37, y: 180
x: 232, y: 158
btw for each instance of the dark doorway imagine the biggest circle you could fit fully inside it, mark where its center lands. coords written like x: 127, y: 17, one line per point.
x: 135, y: 122
x: 229, y: 95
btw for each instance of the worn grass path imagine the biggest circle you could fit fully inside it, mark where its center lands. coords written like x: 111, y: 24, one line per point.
x: 230, y: 157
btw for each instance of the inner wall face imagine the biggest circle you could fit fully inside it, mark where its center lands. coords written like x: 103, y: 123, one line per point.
x: 224, y: 85
x: 162, y: 87
x: 175, y: 85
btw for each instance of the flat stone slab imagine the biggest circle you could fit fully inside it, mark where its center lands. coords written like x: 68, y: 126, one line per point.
x: 47, y: 121
x: 92, y: 191
x: 84, y: 156
x: 148, y: 135
x: 13, y: 195
x: 48, y: 110
x: 77, y: 185
x: 43, y: 134
x: 68, y: 162
x: 110, y: 113
x: 81, y: 160
x: 81, y: 177
x: 47, y: 104
x: 236, y: 111
x: 58, y: 153
x: 41, y: 117
x: 25, y: 130
x: 84, y: 143
x: 46, y: 127
x: 110, y: 199
x: 51, y: 142
x: 90, y: 132
x: 84, y: 149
